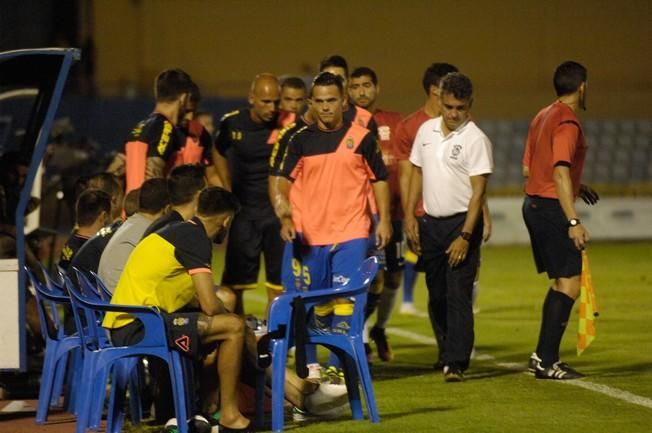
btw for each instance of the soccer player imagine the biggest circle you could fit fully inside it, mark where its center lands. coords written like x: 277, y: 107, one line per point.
x: 338, y: 65
x: 363, y: 91
x: 93, y: 211
x: 88, y: 256
x: 293, y: 95
x: 241, y: 158
x: 452, y: 162
x: 152, y: 202
x: 184, y: 183
x: 336, y: 161
x: 553, y: 160
x: 154, y: 140
x: 195, y: 141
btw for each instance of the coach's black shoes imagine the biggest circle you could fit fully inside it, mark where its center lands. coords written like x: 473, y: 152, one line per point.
x: 558, y: 371
x: 453, y: 374
x: 534, y: 363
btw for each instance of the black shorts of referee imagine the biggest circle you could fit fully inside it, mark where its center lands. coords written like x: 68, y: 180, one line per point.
x: 554, y: 251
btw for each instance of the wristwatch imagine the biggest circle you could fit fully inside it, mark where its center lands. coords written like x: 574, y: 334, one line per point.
x: 466, y: 236
x: 573, y: 222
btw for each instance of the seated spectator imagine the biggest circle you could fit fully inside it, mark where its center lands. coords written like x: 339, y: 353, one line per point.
x: 180, y: 283
x: 93, y: 211
x: 184, y: 185
x: 152, y: 202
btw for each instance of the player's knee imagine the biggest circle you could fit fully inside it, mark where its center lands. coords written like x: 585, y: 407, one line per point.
x: 227, y: 296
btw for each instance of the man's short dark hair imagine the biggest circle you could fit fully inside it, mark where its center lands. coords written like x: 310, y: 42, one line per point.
x: 130, y: 204
x: 195, y: 94
x: 364, y: 70
x: 435, y: 73
x: 568, y: 78
x: 170, y: 84
x: 328, y: 79
x: 106, y: 182
x: 153, y: 196
x: 215, y: 201
x: 336, y: 61
x: 184, y: 182
x: 90, y: 204
x: 458, y: 85
x: 293, y: 83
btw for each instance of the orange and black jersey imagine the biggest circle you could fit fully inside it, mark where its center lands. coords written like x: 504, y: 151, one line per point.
x: 281, y: 145
x: 334, y: 168
x: 155, y: 136
x: 245, y: 145
x: 312, y: 141
x: 196, y: 144
x: 360, y: 116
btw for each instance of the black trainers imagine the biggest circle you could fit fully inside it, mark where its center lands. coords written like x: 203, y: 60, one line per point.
x: 382, y: 345
x: 534, y: 363
x: 453, y: 374
x: 558, y: 371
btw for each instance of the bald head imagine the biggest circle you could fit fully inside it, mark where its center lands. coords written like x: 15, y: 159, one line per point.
x: 264, y: 97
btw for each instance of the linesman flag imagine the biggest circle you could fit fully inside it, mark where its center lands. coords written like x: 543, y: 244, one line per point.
x: 588, y: 308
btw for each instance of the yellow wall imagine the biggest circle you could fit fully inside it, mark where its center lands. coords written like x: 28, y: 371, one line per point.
x: 509, y: 48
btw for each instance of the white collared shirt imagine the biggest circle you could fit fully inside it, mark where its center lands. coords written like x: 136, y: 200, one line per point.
x: 448, y: 163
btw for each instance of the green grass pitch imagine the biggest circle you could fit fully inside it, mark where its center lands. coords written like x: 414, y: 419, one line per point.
x: 498, y: 395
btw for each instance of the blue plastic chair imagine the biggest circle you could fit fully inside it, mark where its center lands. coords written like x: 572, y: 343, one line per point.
x: 100, y: 357
x: 58, y: 346
x: 349, y: 347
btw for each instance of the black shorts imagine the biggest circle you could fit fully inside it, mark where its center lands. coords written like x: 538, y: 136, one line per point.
x: 248, y: 239
x: 394, y: 250
x: 554, y: 252
x: 181, y: 329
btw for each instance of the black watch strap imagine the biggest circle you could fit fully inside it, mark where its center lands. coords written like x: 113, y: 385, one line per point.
x: 573, y: 222
x: 466, y: 236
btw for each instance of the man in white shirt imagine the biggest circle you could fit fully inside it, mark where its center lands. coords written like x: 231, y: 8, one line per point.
x: 452, y: 161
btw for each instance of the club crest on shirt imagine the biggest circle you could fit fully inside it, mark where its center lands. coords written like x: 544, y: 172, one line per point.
x: 456, y: 151
x: 384, y: 133
x: 349, y: 143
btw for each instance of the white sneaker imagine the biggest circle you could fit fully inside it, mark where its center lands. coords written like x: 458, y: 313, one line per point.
x: 408, y: 309
x: 327, y: 400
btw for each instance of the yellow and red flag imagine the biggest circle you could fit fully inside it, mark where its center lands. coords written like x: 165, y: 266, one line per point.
x: 588, y: 308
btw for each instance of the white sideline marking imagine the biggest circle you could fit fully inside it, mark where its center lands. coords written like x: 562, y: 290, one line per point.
x: 582, y: 383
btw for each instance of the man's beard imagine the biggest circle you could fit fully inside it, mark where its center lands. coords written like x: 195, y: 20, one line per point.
x: 583, y: 101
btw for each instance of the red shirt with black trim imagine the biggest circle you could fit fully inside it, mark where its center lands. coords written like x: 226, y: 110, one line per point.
x: 555, y: 138
x: 387, y: 122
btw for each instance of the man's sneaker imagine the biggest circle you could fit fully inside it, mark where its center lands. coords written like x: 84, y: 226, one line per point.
x: 314, y: 373
x: 171, y: 426
x: 335, y: 375
x: 382, y: 345
x: 328, y: 398
x: 558, y: 371
x: 199, y: 424
x: 453, y: 374
x: 534, y: 363
x: 408, y: 309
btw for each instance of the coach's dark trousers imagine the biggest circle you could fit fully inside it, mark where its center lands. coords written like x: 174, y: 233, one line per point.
x: 449, y: 289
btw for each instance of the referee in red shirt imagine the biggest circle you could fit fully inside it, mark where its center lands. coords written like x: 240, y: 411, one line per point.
x: 553, y: 162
